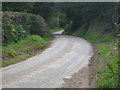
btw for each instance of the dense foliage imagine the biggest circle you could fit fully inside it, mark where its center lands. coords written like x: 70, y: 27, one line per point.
x: 17, y: 26
x: 80, y: 15
x: 17, y: 7
x: 44, y: 9
x: 83, y: 15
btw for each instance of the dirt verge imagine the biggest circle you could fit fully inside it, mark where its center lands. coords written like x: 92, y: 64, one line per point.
x: 85, y: 78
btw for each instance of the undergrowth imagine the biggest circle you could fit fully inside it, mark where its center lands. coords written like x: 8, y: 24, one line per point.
x: 23, y: 49
x: 107, y: 77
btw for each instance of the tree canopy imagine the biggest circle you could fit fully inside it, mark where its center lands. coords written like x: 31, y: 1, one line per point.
x: 60, y: 14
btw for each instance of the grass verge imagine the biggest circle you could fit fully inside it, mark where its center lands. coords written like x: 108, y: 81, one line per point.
x: 97, y: 38
x: 16, y: 52
x: 106, y: 61
x: 107, y: 77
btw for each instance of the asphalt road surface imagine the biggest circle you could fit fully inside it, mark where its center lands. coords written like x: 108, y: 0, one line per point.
x: 65, y: 56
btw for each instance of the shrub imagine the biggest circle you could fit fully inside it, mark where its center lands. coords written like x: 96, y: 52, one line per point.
x: 17, y: 26
x: 13, y: 33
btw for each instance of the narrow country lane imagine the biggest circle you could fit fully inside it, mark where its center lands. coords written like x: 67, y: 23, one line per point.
x: 67, y: 55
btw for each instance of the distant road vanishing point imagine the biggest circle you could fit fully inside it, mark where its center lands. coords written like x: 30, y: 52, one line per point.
x: 66, y: 55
